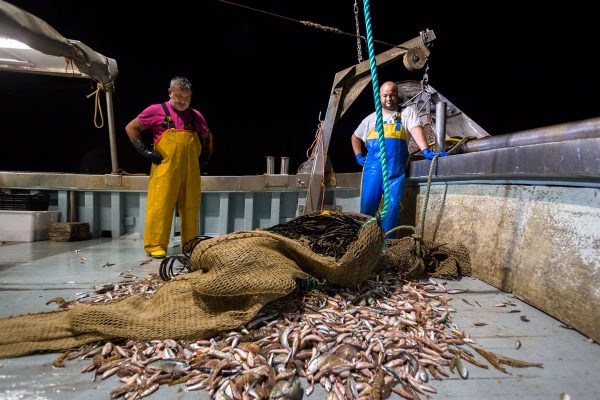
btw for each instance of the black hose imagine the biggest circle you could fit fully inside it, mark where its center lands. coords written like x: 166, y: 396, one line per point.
x: 168, y: 270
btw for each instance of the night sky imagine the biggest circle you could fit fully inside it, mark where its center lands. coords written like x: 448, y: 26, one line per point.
x: 261, y: 81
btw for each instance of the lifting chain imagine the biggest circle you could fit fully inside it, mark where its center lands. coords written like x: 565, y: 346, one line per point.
x: 423, y: 101
x: 423, y: 98
x: 358, y: 45
x: 425, y: 79
x: 425, y: 90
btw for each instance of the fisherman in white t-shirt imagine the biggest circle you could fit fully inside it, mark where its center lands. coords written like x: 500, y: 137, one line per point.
x: 396, y: 127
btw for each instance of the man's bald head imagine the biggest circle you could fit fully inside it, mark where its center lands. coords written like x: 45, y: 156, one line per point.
x: 388, y: 85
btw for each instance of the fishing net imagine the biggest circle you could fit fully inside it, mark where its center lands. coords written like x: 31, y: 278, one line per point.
x: 234, y: 276
x: 412, y: 257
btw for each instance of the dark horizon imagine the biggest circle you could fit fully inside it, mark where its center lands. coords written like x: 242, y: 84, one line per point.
x: 261, y: 81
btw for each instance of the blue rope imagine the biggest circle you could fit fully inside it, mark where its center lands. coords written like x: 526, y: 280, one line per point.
x: 379, y: 117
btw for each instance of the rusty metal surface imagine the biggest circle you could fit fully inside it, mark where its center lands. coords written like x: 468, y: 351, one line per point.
x: 541, y: 243
x: 561, y: 271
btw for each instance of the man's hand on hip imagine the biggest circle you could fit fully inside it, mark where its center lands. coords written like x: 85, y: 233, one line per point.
x: 360, y: 159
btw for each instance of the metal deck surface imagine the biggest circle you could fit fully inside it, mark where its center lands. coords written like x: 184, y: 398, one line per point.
x: 32, y: 273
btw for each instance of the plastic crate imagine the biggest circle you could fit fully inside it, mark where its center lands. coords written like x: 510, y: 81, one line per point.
x: 24, y: 202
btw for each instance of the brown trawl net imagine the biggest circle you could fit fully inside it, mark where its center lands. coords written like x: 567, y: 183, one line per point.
x: 413, y: 257
x: 236, y: 275
x: 233, y: 277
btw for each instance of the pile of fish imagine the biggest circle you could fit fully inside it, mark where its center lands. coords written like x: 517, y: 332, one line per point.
x: 385, y: 336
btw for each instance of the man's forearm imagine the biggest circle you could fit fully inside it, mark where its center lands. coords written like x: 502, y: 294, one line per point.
x: 356, y: 145
x: 419, y: 136
x: 133, y: 130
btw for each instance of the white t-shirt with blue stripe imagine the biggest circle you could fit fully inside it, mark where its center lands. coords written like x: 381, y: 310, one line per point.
x: 409, y: 116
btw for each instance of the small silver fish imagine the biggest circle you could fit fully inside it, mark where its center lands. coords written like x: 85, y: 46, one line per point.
x: 463, y: 372
x: 168, y: 365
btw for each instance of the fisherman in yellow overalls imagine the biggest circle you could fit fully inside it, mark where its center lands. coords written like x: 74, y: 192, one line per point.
x: 180, y: 135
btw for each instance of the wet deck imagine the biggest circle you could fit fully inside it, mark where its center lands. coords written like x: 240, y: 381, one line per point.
x: 33, y: 273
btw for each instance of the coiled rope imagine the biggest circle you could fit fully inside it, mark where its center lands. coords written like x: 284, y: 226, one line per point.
x: 100, y: 87
x: 419, y: 232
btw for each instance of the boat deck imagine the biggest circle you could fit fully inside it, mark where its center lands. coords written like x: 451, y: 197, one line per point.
x: 33, y: 273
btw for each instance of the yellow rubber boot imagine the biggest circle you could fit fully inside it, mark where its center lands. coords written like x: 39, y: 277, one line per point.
x: 158, y: 254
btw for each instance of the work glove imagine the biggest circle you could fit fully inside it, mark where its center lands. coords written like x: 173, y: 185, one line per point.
x: 360, y: 159
x: 428, y: 154
x: 154, y: 156
x: 206, y: 153
x: 204, y: 159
